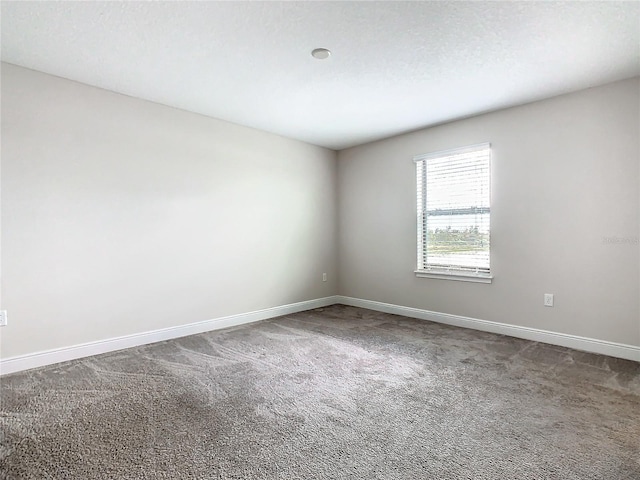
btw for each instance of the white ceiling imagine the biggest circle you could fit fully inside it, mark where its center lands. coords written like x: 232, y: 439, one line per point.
x: 395, y: 66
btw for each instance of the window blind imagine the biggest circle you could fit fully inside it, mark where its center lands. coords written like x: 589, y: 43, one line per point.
x: 454, y: 211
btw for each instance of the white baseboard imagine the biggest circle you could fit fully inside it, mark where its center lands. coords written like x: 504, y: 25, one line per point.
x: 619, y: 350
x: 39, y: 359
x: 49, y: 357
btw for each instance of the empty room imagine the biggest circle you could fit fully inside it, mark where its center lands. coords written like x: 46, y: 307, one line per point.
x: 320, y: 240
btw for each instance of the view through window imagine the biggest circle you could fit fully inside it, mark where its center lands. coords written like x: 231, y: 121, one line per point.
x: 454, y: 211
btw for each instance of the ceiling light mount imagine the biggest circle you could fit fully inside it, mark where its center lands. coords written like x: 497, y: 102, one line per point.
x: 321, y: 53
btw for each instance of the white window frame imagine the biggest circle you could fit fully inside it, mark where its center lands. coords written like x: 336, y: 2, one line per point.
x: 466, y: 274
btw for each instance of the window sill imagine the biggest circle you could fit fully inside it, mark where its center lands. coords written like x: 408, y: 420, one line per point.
x: 460, y: 277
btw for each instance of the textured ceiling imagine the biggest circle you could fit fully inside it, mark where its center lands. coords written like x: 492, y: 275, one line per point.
x: 395, y: 66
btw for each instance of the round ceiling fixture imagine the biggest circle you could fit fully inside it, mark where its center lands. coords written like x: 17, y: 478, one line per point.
x: 320, y: 53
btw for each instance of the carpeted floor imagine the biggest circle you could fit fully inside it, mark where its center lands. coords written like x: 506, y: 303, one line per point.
x: 334, y: 393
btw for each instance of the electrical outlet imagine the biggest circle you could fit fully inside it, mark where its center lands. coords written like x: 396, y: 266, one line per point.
x: 3, y: 318
x: 548, y: 299
x: 324, y: 277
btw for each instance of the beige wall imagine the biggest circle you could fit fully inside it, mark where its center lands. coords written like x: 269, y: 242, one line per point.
x: 122, y: 216
x: 565, y: 174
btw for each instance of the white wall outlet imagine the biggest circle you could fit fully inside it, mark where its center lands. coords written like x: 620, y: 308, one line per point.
x: 548, y: 299
x: 3, y: 318
x: 324, y: 277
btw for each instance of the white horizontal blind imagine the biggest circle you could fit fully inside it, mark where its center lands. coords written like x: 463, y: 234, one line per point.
x: 454, y: 211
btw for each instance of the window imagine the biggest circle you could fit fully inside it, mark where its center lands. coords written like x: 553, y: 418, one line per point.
x: 454, y: 212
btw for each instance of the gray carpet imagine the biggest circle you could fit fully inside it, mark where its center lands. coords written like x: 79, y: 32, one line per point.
x: 334, y: 393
